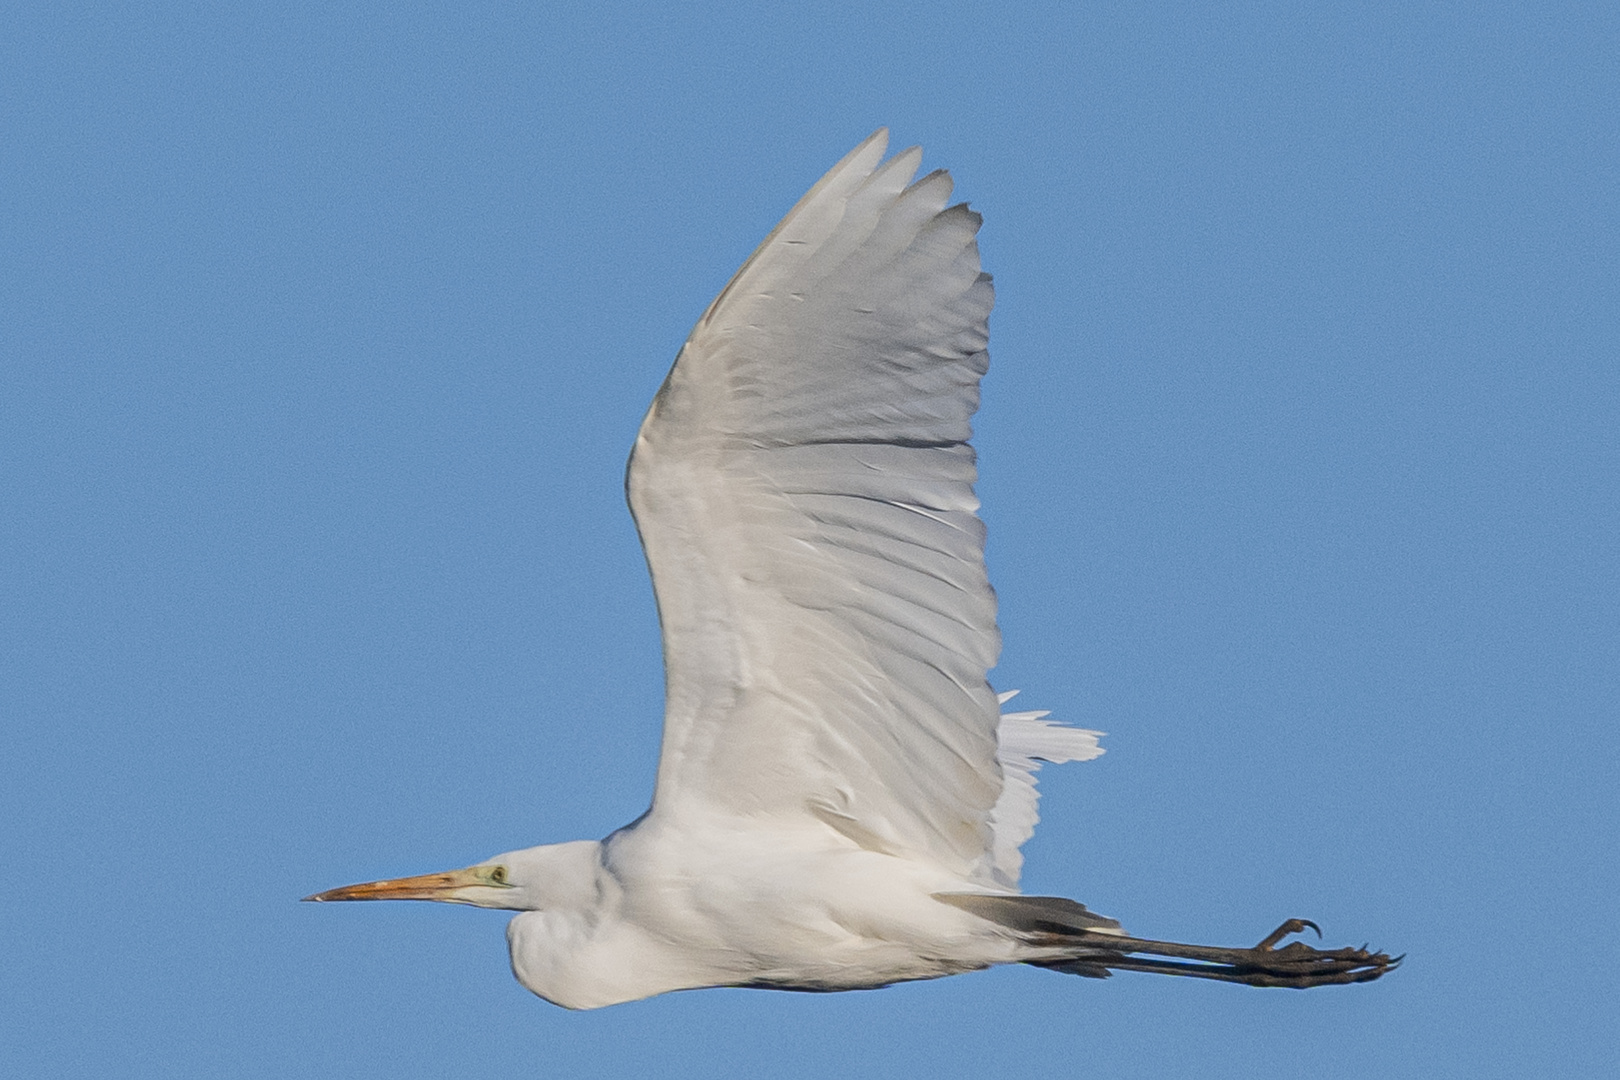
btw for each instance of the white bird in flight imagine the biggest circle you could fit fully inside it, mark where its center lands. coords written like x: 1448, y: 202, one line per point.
x: 840, y: 799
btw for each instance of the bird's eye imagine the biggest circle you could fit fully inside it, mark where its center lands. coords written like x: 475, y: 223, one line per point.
x: 498, y: 875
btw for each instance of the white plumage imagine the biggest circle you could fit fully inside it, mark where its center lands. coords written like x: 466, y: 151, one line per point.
x: 1024, y: 741
x: 839, y: 802
x: 804, y: 489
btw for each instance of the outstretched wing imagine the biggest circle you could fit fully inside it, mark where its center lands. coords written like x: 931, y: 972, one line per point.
x: 803, y: 485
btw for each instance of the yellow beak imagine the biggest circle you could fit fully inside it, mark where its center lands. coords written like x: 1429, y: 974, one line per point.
x: 443, y: 887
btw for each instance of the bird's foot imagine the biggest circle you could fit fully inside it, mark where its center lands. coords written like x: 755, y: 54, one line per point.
x: 1300, y: 966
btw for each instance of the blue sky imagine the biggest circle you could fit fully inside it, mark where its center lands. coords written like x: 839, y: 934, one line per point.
x: 324, y: 332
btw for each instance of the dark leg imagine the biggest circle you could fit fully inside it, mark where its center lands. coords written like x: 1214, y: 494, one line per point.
x: 1296, y: 965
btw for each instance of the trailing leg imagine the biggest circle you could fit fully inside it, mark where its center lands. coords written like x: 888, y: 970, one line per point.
x: 1296, y: 965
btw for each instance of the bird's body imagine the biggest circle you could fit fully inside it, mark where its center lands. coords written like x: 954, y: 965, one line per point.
x: 717, y: 898
x: 737, y: 906
x: 840, y: 800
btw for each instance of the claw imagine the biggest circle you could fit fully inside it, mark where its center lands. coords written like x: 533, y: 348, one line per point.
x: 1292, y: 926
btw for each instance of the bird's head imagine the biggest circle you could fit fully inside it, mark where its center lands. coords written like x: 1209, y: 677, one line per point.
x: 526, y: 880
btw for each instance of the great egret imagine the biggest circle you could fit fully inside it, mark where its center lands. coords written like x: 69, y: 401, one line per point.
x: 840, y: 801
